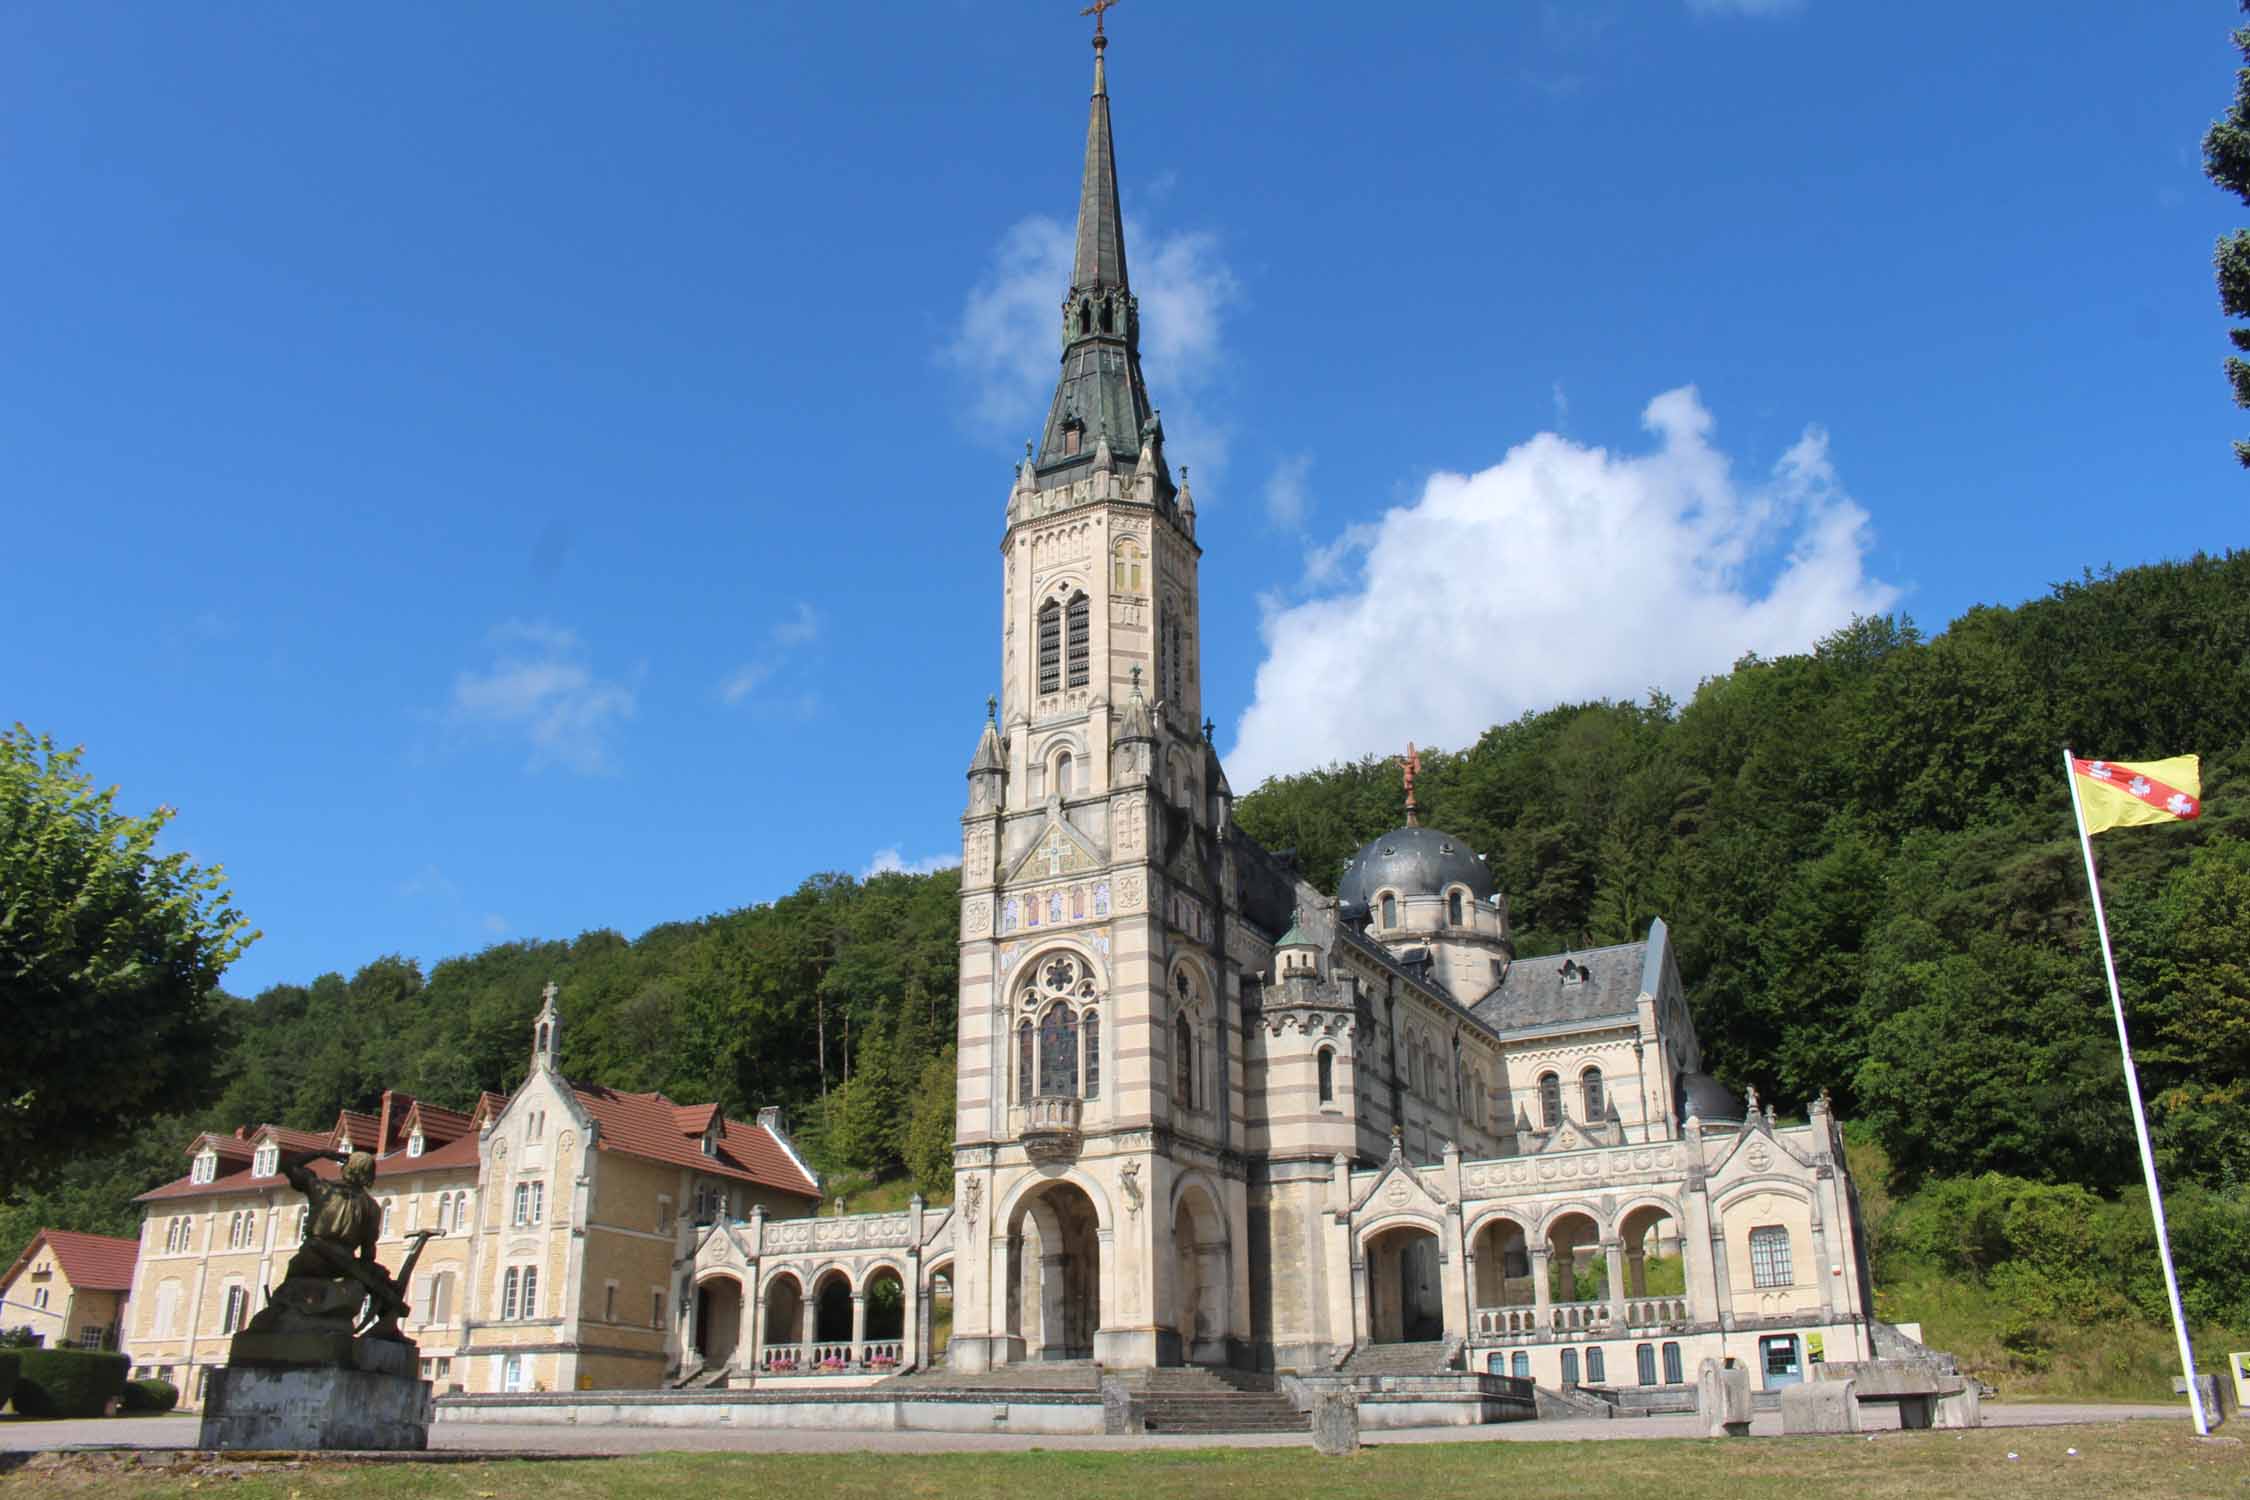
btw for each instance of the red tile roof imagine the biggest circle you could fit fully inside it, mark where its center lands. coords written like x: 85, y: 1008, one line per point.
x: 93, y: 1262
x: 653, y: 1127
x: 442, y: 1150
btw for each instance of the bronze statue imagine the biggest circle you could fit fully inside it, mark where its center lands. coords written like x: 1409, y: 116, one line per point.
x: 334, y: 1271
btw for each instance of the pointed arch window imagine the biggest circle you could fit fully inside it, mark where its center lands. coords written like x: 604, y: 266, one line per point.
x: 1023, y: 1062
x: 1058, y: 1052
x: 1077, y: 639
x: 1550, y: 1101
x: 1091, y: 1024
x: 1050, y: 646
x: 1126, y: 575
x: 1590, y: 1085
x: 1183, y: 1063
x: 1325, y: 1061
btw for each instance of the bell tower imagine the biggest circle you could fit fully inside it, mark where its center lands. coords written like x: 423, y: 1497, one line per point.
x: 1092, y: 1011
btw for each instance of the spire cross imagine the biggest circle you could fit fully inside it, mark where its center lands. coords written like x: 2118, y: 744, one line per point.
x: 1095, y: 10
x: 1411, y: 766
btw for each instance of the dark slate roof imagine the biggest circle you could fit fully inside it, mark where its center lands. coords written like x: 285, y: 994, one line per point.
x: 1534, y: 993
x: 1100, y: 385
x: 1100, y: 260
x: 1413, y: 862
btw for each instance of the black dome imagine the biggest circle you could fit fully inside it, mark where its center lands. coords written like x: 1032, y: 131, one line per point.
x: 1706, y: 1098
x: 1412, y: 862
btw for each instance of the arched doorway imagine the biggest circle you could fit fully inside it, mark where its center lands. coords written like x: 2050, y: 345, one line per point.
x: 937, y: 1313
x: 1404, y: 1301
x: 718, y: 1318
x: 1654, y: 1266
x: 1054, y: 1274
x: 1503, y: 1276
x: 885, y: 1292
x: 1576, y: 1270
x: 1202, y: 1279
x: 784, y: 1320
x: 832, y: 1314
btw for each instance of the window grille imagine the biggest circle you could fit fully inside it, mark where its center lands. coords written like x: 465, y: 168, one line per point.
x: 1672, y: 1372
x: 1645, y: 1358
x: 1769, y: 1256
x: 1050, y: 647
x: 1077, y: 633
x: 1570, y: 1367
x: 1597, y: 1371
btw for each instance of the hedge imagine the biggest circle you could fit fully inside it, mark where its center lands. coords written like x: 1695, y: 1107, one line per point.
x: 69, y: 1382
x: 150, y: 1396
x: 8, y: 1370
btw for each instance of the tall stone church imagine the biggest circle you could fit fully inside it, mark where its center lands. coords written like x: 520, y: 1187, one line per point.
x: 1207, y: 1114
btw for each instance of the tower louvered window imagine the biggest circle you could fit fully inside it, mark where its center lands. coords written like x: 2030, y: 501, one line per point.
x: 1050, y: 647
x: 1078, y: 646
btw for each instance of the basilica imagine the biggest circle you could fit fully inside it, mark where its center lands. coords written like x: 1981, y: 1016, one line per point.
x: 1206, y: 1114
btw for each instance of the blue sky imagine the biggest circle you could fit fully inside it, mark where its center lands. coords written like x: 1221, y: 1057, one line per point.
x: 506, y: 470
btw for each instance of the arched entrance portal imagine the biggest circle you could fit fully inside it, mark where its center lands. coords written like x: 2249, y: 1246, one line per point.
x: 1201, y: 1278
x: 1576, y: 1271
x: 1054, y: 1274
x: 718, y: 1318
x: 1404, y: 1301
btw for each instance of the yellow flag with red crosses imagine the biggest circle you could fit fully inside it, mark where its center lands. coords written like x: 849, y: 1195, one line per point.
x: 2118, y: 794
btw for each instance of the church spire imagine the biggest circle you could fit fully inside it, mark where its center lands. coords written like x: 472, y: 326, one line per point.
x: 1100, y: 399
x: 1100, y: 261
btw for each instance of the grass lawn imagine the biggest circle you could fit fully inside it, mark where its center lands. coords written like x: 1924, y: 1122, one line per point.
x: 2137, y: 1458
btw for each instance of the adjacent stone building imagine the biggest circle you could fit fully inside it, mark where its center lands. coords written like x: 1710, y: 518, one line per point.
x: 69, y: 1289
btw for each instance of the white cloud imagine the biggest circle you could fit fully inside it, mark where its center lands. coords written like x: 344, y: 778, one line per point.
x: 889, y: 861
x: 801, y: 628
x: 494, y: 924
x: 1563, y: 572
x: 1286, y: 500
x: 540, y: 686
x: 1006, y: 344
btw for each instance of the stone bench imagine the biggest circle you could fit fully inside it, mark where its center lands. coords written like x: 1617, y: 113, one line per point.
x: 1925, y: 1395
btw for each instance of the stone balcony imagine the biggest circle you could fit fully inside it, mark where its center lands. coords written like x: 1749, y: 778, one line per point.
x: 1579, y: 1319
x: 1050, y: 1128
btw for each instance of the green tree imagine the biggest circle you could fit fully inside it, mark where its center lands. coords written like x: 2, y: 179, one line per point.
x: 2226, y: 161
x: 110, y: 957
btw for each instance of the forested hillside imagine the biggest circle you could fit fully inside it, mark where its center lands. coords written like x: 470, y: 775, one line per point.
x: 1865, y: 852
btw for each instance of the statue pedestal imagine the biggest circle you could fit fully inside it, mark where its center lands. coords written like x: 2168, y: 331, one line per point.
x: 316, y: 1391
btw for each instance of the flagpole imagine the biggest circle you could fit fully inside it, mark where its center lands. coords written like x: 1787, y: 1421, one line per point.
x: 2133, y: 1090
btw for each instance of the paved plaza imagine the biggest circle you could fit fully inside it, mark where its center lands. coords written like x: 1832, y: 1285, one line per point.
x: 18, y: 1435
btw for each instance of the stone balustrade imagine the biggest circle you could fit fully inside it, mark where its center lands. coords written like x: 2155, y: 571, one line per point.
x: 1050, y: 1128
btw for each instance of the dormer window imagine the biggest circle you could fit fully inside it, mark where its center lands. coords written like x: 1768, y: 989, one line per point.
x: 1573, y: 973
x: 206, y: 1168
x: 414, y: 1144
x: 711, y: 1140
x: 267, y: 1162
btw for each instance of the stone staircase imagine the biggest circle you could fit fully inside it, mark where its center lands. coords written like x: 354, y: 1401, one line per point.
x: 1206, y: 1399
x: 1398, y: 1359
x: 710, y: 1377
